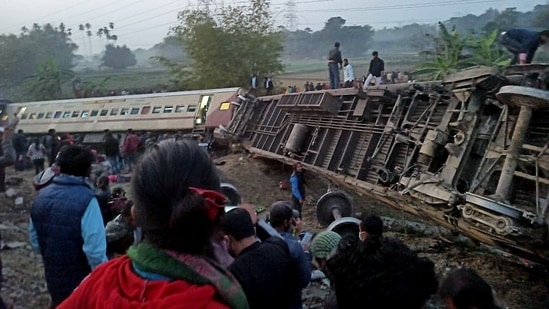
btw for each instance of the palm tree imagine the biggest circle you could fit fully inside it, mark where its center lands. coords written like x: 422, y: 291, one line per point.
x: 107, y: 33
x: 82, y: 30
x: 90, y: 34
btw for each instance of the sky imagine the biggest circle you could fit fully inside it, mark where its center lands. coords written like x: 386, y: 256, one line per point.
x: 143, y: 23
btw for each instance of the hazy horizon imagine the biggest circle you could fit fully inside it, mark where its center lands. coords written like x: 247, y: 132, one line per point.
x: 143, y: 23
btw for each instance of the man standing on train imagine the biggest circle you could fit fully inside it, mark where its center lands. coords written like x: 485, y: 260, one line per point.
x: 335, y: 63
x: 348, y: 74
x: 376, y: 70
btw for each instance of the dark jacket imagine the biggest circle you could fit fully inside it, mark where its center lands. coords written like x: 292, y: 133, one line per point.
x: 20, y: 143
x: 112, y: 147
x: 265, y: 271
x: 57, y: 215
x: 335, y: 56
x: 376, y: 67
x: 7, y: 154
x: 301, y: 262
x: 7, y: 158
x: 528, y: 41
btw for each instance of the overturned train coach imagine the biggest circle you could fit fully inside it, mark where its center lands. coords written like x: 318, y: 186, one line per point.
x: 187, y: 111
x: 469, y: 153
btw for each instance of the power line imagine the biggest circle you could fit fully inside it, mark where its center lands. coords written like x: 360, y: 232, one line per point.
x: 241, y: 2
x: 47, y: 15
x: 385, y: 7
x: 111, y: 10
x: 402, y: 6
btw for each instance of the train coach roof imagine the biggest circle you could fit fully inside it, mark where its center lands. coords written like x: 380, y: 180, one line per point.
x: 136, y: 96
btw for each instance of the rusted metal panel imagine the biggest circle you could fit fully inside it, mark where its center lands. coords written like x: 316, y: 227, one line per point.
x: 460, y: 152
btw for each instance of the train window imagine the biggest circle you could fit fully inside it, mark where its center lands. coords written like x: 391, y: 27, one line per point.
x: 32, y: 116
x: 180, y: 108
x: 168, y: 109
x: 40, y: 116
x: 114, y: 111
x: 21, y: 111
x: 94, y: 113
x: 104, y: 112
x: 57, y: 114
x: 135, y: 111
x: 85, y: 114
x: 191, y: 108
x: 24, y: 116
x: 145, y: 110
x: 157, y: 109
x: 225, y: 106
x: 49, y: 115
x: 124, y: 112
x: 75, y: 114
x: 66, y: 114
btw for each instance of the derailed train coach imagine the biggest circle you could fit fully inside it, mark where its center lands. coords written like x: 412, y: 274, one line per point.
x: 469, y: 152
x: 186, y: 111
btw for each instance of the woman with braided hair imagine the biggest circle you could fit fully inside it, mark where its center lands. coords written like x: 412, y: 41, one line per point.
x: 178, y: 207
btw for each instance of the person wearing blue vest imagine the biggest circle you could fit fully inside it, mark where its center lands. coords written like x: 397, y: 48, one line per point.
x: 66, y: 226
x: 298, y: 187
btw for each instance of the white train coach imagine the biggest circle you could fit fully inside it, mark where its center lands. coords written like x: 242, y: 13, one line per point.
x: 169, y: 111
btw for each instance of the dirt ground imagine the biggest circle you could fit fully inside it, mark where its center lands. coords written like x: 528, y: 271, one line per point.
x: 516, y: 286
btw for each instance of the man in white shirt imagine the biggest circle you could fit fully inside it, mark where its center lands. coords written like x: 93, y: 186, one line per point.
x: 348, y: 73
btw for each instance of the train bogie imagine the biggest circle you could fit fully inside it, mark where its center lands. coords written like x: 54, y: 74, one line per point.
x: 469, y: 153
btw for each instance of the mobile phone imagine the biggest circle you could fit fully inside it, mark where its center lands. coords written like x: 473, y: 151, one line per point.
x: 306, y: 238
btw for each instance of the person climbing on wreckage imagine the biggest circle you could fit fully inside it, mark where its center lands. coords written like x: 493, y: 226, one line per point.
x: 523, y: 44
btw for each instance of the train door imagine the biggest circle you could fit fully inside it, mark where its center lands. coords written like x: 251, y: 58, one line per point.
x: 202, y: 112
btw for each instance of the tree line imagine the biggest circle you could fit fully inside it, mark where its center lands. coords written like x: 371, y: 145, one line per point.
x: 41, y: 57
x: 215, y: 46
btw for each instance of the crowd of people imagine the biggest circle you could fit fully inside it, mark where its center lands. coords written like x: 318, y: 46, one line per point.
x: 174, y: 246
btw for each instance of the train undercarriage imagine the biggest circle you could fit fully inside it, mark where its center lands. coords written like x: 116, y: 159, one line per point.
x: 469, y: 153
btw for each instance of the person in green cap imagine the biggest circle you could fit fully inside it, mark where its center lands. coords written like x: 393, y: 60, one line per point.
x: 323, y: 246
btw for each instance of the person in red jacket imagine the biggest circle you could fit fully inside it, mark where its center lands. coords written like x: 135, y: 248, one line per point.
x: 178, y: 207
x: 130, y: 147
